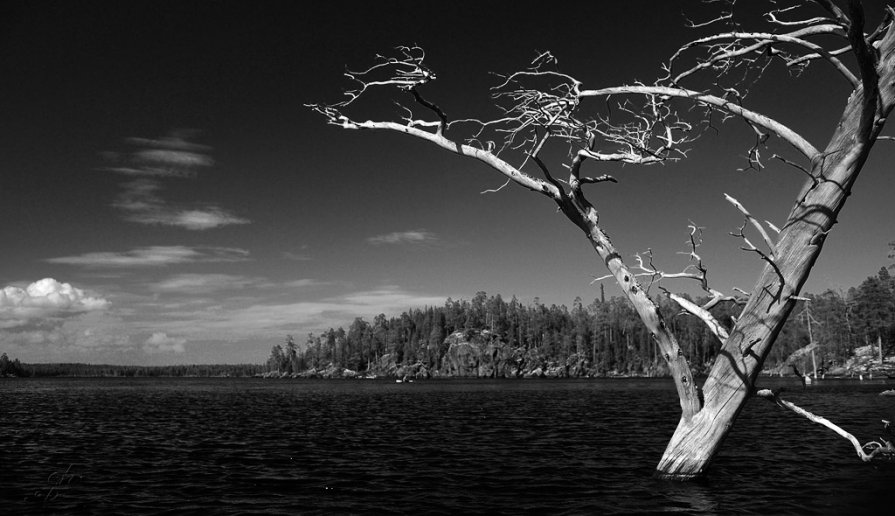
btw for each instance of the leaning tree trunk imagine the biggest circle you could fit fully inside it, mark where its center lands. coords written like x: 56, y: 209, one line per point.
x: 731, y: 381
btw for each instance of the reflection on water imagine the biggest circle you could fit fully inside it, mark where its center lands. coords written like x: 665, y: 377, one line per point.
x: 237, y: 446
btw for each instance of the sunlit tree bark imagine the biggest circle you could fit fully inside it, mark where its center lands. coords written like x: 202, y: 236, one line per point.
x: 654, y: 123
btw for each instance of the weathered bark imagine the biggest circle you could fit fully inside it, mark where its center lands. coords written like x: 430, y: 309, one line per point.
x: 731, y: 381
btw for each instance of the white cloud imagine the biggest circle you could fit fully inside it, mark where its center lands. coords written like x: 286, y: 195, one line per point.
x: 206, y: 219
x: 155, y: 256
x: 44, y: 299
x: 160, y: 342
x: 416, y: 236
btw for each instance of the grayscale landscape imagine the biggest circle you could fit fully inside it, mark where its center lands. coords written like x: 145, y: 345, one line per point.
x: 395, y: 257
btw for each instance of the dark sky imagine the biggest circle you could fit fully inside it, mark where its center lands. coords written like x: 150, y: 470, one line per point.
x: 273, y: 222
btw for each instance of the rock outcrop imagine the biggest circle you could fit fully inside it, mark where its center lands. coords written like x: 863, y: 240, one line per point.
x: 866, y: 362
x: 481, y: 354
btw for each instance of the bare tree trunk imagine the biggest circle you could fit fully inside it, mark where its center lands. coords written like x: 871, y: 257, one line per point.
x: 731, y: 380
x: 649, y: 314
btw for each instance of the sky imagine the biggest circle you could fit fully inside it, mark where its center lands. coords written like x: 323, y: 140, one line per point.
x: 166, y: 197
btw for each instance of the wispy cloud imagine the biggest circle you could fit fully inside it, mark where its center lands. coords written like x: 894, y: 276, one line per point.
x: 416, y: 236
x: 168, y: 157
x: 205, y: 283
x: 208, y: 218
x: 387, y: 299
x: 44, y: 300
x: 141, y: 204
x: 160, y: 342
x: 154, y: 256
x: 305, y: 282
x: 195, y: 284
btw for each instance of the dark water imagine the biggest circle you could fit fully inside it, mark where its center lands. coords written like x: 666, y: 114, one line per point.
x: 242, y: 446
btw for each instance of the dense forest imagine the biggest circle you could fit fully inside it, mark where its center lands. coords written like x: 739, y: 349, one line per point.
x: 602, y: 338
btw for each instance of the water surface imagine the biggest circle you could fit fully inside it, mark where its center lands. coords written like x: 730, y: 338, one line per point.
x: 243, y: 446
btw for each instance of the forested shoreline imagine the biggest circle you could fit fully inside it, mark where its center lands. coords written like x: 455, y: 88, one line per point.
x: 19, y: 369
x: 489, y: 336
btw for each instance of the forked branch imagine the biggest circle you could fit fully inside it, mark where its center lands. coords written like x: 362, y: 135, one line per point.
x: 755, y: 223
x: 695, y: 270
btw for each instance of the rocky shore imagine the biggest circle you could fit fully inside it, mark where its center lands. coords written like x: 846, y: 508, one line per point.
x: 866, y: 363
x: 480, y: 354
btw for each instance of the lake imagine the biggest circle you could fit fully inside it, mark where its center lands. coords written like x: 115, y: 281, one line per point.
x: 248, y: 446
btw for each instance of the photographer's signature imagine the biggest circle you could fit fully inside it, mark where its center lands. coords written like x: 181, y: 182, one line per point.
x: 56, y: 484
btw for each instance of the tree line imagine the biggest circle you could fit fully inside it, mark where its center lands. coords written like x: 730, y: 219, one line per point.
x: 607, y: 332
x: 15, y: 368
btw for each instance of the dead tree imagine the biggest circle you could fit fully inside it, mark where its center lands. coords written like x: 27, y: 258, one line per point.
x: 542, y: 107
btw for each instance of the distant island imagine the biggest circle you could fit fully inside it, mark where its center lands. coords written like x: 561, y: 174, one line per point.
x: 14, y: 368
x: 833, y: 333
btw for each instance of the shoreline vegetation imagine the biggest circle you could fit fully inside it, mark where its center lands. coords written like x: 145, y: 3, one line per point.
x: 81, y: 370
x: 834, y: 334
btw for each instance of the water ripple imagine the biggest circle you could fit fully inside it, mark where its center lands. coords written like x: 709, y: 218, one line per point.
x: 241, y: 446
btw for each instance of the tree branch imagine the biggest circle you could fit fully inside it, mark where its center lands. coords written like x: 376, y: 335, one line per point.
x: 782, y: 131
x: 755, y: 223
x: 511, y: 173
x: 433, y: 107
x: 704, y: 315
x: 833, y: 9
x: 865, y: 57
x: 764, y: 40
x: 876, y: 449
